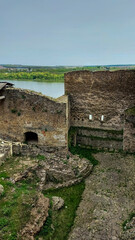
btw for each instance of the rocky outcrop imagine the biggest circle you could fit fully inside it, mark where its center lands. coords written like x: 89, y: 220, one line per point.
x: 55, y: 171
x: 38, y: 216
x: 5, y: 150
x: 1, y: 189
x: 58, y: 203
x: 129, y: 130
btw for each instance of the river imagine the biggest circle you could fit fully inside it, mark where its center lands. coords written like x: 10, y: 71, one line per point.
x: 52, y: 89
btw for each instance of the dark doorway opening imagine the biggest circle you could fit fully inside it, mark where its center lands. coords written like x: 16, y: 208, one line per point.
x: 31, y: 137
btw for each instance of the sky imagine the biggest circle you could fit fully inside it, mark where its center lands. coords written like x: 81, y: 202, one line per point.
x: 67, y: 32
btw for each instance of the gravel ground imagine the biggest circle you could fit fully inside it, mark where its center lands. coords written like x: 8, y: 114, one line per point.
x: 108, y: 200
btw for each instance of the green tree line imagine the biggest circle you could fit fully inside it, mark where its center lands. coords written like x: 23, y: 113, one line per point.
x: 41, y: 76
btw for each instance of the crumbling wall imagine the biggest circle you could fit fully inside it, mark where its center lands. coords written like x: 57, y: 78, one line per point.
x: 26, y: 111
x: 105, y: 96
x: 100, y: 93
x: 129, y: 130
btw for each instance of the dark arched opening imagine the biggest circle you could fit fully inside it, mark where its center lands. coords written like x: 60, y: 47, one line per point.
x: 31, y: 137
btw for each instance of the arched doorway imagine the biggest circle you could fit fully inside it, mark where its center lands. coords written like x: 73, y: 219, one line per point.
x: 31, y: 137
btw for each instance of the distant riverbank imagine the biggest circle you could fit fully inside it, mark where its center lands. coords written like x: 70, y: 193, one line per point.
x: 33, y: 76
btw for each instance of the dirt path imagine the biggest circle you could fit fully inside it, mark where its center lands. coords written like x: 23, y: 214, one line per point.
x: 108, y: 200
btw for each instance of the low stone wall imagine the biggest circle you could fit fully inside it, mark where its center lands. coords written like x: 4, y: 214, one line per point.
x: 34, y: 150
x: 99, y: 143
x: 97, y: 138
x: 102, y: 133
x: 129, y: 130
x: 5, y: 150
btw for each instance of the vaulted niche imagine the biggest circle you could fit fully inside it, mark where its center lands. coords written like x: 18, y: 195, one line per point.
x: 31, y: 137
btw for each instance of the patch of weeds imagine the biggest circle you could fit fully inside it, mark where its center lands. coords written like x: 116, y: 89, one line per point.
x: 44, y: 110
x: 4, y: 175
x: 68, y: 156
x: 15, y: 206
x: 23, y: 96
x: 13, y: 236
x: 108, y: 191
x: 10, y: 184
x: 118, y: 170
x: 19, y: 113
x: 3, y: 222
x: 47, y: 229
x: 65, y: 161
x: 124, y: 224
x: 59, y: 222
x: 2, y: 195
x: 130, y: 111
x: 6, y: 211
x: 13, y: 111
x: 84, y: 153
x: 41, y: 157
x: 59, y: 111
x: 102, y: 170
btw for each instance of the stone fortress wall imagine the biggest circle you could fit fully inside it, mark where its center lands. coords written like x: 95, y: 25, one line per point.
x: 29, y: 116
x: 98, y: 106
x: 98, y: 101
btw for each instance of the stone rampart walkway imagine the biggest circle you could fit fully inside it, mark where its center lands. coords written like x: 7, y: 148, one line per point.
x: 107, y: 201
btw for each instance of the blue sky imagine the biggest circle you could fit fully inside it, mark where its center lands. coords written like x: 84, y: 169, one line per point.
x: 67, y: 32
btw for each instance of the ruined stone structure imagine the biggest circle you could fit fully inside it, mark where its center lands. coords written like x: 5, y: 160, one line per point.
x: 27, y: 116
x: 98, y: 103
x: 98, y: 106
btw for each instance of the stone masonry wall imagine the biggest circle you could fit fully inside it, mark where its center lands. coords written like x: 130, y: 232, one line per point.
x: 26, y: 111
x: 100, y: 93
x: 129, y: 130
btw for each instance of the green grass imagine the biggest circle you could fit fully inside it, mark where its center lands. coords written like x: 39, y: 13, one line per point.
x: 84, y: 153
x: 127, y: 221
x: 59, y: 223
x: 130, y: 111
x: 15, y: 209
x: 41, y: 157
x: 16, y: 201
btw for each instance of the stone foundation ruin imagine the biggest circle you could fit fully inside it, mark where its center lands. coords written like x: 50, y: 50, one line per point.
x: 98, y: 108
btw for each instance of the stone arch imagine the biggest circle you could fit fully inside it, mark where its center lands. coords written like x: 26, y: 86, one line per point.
x: 31, y: 137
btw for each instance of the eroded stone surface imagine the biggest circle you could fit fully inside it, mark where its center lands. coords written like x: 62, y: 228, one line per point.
x: 54, y: 170
x: 58, y: 202
x: 37, y: 218
x: 107, y: 200
x: 1, y: 189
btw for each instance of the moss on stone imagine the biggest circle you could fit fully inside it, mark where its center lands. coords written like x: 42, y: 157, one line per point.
x: 130, y: 111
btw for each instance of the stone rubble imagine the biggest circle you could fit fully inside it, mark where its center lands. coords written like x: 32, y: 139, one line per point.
x: 58, y: 203
x: 38, y: 216
x: 1, y: 189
